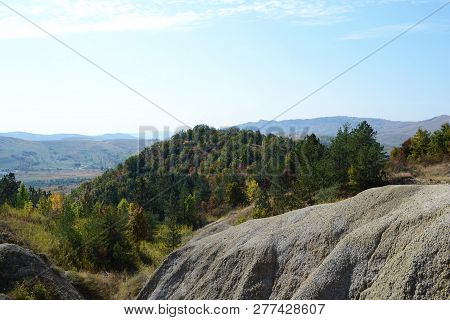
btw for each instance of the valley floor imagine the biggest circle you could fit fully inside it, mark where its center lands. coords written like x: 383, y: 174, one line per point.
x: 57, y: 180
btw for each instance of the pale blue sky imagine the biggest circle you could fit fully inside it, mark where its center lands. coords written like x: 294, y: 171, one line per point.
x: 219, y: 62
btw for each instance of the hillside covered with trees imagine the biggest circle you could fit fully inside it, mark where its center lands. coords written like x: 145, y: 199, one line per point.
x: 423, y: 158
x: 127, y: 220
x: 204, y: 170
x: 424, y: 147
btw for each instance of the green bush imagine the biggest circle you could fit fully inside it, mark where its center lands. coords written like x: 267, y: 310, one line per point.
x: 170, y: 234
x: 241, y: 220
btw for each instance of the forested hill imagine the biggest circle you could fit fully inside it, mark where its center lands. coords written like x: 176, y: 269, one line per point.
x: 390, y: 133
x: 204, y: 169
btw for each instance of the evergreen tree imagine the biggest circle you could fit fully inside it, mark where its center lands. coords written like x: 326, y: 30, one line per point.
x: 22, y: 196
x: 170, y: 234
x: 190, y: 210
x: 368, y: 158
x: 235, y: 194
x: 8, y: 189
x: 70, y: 240
x: 44, y: 205
x: 113, y: 249
x: 340, y: 155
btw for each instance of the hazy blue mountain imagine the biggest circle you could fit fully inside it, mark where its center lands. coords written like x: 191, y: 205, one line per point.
x: 66, y: 136
x: 28, y: 151
x: 390, y: 133
x: 69, y: 153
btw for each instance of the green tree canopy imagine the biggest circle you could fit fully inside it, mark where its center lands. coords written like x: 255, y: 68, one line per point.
x: 22, y: 196
x: 8, y: 189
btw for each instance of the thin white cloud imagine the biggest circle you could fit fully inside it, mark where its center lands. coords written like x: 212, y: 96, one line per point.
x: 386, y: 31
x: 73, y: 16
x: 306, y: 11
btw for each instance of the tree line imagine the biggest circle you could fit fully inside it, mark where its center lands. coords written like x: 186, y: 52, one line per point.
x: 97, y: 237
x: 174, y: 185
x: 15, y: 194
x: 204, y: 170
x: 423, y: 147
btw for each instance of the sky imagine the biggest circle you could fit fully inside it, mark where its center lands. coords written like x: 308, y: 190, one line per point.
x: 217, y: 62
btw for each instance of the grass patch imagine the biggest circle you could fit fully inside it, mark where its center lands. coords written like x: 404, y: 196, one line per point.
x: 131, y: 284
x: 96, y: 286
x: 32, y: 290
x: 328, y: 195
x: 31, y: 229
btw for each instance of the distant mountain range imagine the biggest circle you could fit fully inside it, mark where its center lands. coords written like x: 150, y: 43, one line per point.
x: 29, y: 151
x: 67, y: 136
x: 390, y: 133
x: 68, y: 153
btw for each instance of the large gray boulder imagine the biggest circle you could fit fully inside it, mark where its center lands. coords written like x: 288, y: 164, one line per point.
x: 19, y: 265
x: 385, y: 243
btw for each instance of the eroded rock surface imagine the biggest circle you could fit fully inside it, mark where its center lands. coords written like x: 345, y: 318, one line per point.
x: 18, y: 265
x: 385, y: 243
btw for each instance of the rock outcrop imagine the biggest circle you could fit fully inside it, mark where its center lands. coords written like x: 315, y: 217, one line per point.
x: 19, y: 265
x: 385, y: 243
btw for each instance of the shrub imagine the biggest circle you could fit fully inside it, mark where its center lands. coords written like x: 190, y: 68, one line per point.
x: 262, y: 205
x: 252, y: 190
x: 137, y: 226
x: 241, y: 220
x: 170, y: 234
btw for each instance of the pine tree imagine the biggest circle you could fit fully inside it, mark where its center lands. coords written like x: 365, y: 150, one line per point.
x: 22, y: 196
x: 190, y: 210
x: 235, y: 194
x: 170, y: 234
x: 44, y: 205
x: 367, y: 158
x: 8, y: 189
x: 340, y: 155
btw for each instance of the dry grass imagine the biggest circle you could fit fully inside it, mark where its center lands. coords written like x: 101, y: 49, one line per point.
x: 96, y: 286
x: 132, y: 284
x: 240, y: 216
x: 434, y: 174
x: 420, y: 174
x: 31, y: 230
